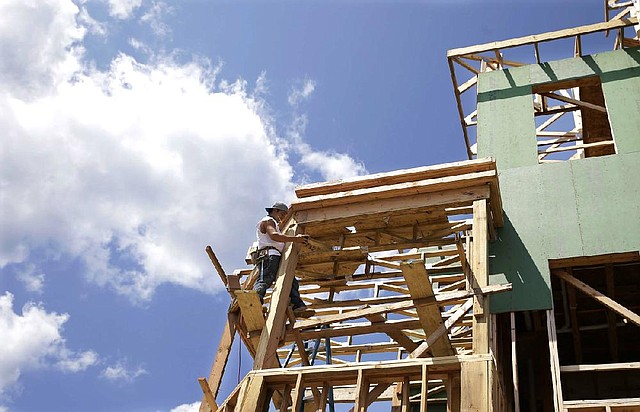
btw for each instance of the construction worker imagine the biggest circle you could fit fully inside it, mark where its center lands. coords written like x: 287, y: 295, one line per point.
x: 270, y: 247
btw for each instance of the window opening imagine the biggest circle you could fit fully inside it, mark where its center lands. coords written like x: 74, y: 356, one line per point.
x: 571, y: 120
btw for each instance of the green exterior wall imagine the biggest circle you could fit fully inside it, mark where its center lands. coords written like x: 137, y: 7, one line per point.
x: 582, y: 207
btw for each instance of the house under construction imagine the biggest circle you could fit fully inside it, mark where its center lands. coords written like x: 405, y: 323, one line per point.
x: 506, y: 282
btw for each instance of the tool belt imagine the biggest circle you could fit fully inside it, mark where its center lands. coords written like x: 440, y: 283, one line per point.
x: 262, y: 253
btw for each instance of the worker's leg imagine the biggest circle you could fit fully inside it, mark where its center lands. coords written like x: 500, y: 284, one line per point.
x: 268, y: 272
x: 296, y: 301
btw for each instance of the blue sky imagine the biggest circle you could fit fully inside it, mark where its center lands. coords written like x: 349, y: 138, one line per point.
x: 136, y: 132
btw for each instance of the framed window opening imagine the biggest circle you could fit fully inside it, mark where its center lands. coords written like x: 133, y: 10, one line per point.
x: 571, y: 120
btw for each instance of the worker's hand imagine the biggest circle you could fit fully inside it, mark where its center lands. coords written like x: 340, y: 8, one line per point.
x: 302, y: 238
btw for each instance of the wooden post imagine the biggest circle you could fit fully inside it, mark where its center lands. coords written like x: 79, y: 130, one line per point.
x: 362, y: 390
x: 555, y: 362
x: 475, y: 387
x: 298, y: 395
x: 480, y: 277
x: 475, y: 377
x: 424, y: 392
x: 514, y: 364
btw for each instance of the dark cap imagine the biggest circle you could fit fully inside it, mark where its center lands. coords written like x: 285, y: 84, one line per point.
x: 277, y: 206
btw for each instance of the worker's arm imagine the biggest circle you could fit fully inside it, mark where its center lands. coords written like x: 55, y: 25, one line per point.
x: 269, y: 227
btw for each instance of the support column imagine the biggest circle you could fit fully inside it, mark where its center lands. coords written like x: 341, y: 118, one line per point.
x: 475, y: 377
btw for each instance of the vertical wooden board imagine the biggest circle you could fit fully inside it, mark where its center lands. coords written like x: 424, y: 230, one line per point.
x: 424, y: 389
x: 554, y: 361
x: 474, y: 383
x: 480, y: 275
x: 298, y: 394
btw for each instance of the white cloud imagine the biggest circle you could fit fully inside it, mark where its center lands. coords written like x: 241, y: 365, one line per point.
x: 33, y: 340
x: 37, y: 39
x: 31, y: 277
x: 303, y: 92
x: 187, y: 407
x: 154, y: 18
x: 136, y: 168
x: 123, y: 9
x: 141, y: 163
x: 120, y: 372
x: 76, y: 362
x: 330, y: 165
x: 333, y: 166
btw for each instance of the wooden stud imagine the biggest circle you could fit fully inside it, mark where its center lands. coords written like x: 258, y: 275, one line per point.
x: 424, y: 389
x: 298, y: 398
x: 514, y: 364
x: 555, y: 362
x: 406, y: 389
x: 362, y: 389
x: 480, y: 277
x: 611, y: 317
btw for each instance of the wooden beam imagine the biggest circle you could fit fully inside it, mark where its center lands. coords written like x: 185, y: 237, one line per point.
x: 220, y: 362
x: 395, y: 190
x: 442, y: 330
x: 443, y: 298
x: 623, y: 366
x: 361, y: 328
x: 216, y: 264
x: 208, y: 396
x: 395, y: 334
x: 383, y: 207
x: 625, y: 257
x: 578, y: 103
x: 251, y: 397
x: 420, y: 286
x: 603, y: 299
x: 395, y: 177
x: 538, y: 38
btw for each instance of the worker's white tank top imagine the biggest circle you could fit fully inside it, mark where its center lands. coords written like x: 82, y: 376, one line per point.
x: 264, y: 239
